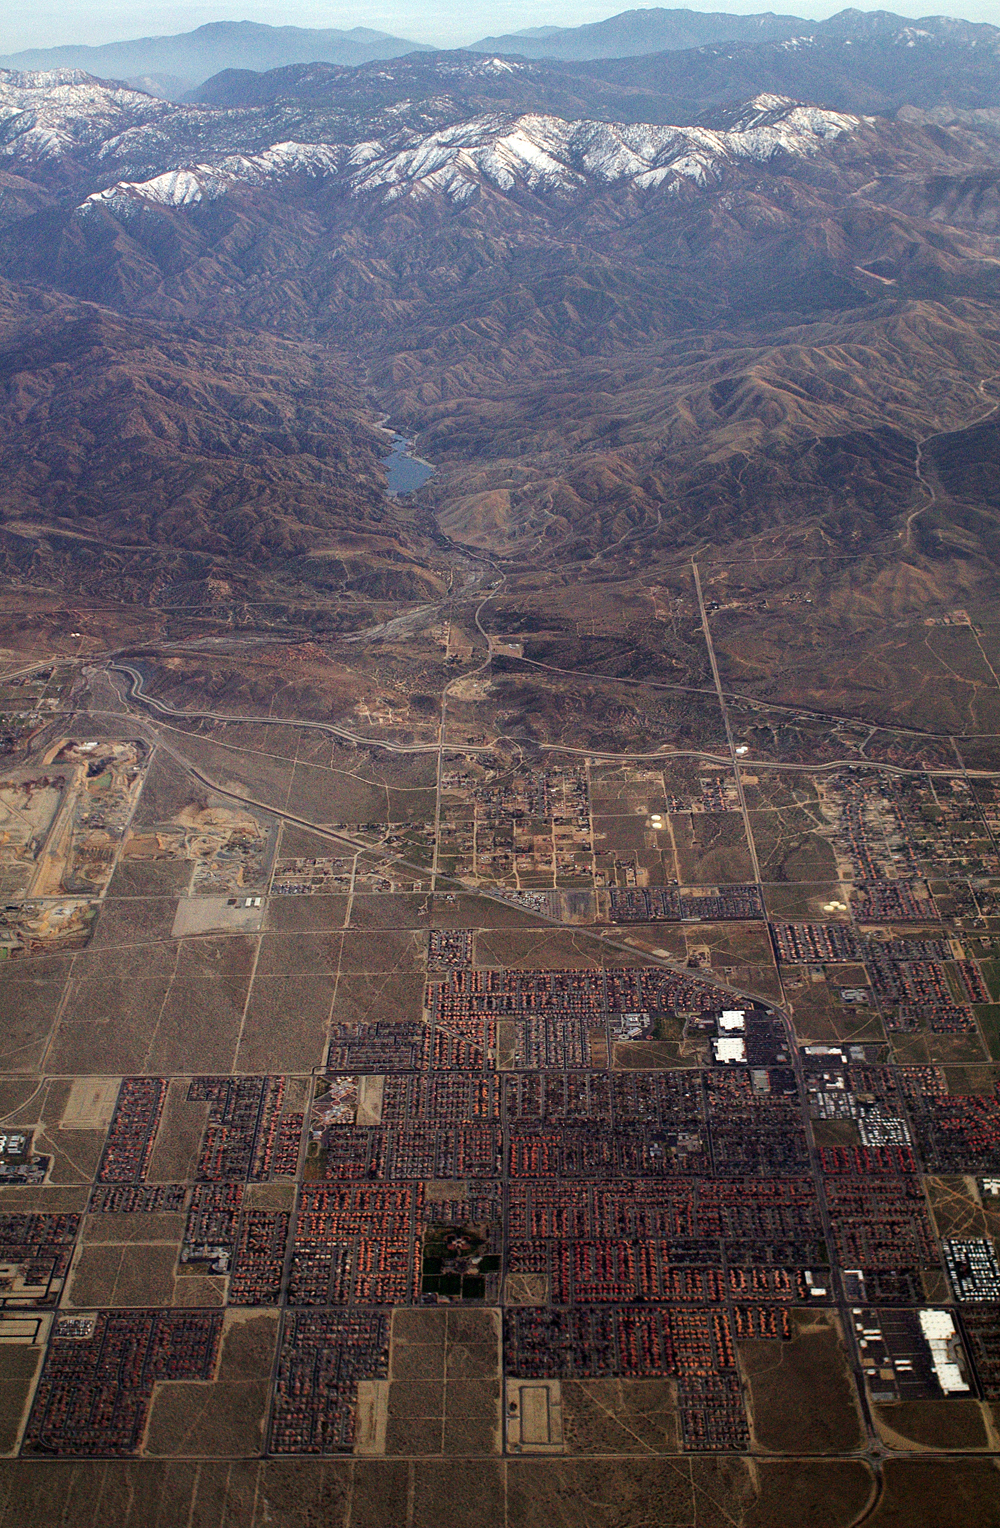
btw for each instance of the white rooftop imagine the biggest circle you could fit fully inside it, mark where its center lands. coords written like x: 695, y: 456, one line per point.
x: 936, y: 1323
x: 730, y: 1048
x: 939, y: 1330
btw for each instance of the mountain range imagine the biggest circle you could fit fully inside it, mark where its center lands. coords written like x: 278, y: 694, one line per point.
x: 176, y: 66
x: 621, y: 338
x: 172, y: 65
x: 655, y: 30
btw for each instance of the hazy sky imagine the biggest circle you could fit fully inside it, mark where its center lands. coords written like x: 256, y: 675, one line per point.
x: 447, y: 23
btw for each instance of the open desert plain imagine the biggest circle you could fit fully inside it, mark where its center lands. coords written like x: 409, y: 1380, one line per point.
x: 500, y: 779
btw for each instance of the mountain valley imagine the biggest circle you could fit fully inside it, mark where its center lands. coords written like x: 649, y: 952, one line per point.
x: 500, y: 807
x: 717, y: 336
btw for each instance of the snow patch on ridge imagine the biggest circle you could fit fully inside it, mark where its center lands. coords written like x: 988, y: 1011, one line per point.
x: 534, y: 152
x: 47, y: 114
x: 546, y: 153
x: 205, y: 182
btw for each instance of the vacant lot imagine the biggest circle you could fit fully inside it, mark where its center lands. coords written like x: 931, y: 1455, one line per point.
x: 735, y: 943
x: 384, y: 951
x: 547, y: 950
x: 620, y: 1416
x: 819, y: 1016
x: 150, y: 878
x: 225, y: 1419
x: 197, y: 1029
x: 809, y: 1495
x: 17, y: 1378
x: 374, y: 1493
x: 802, y: 1398
x: 30, y: 1005
x: 131, y: 1274
x: 711, y: 848
x: 822, y: 902
x: 142, y: 920
x: 304, y: 950
x: 318, y: 912
x: 178, y: 1137
x: 928, y: 1494
x: 285, y: 1027
x: 107, y: 1025
x: 958, y: 1209
x: 951, y: 1424
x: 373, y: 999
x: 772, y: 789
x: 792, y: 845
x: 926, y: 1049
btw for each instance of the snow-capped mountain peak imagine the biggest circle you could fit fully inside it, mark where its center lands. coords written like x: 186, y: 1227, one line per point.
x: 535, y: 153
x: 55, y: 114
x: 190, y: 184
x: 547, y: 153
